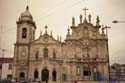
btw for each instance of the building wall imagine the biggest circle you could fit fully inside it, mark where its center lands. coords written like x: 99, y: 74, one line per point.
x: 117, y: 71
x: 5, y: 70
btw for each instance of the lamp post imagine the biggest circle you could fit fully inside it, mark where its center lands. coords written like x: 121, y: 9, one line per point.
x: 2, y: 61
x: 116, y: 21
x: 117, y: 71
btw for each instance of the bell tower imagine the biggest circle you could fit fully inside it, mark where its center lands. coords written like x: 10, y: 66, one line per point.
x: 25, y: 27
x: 25, y: 35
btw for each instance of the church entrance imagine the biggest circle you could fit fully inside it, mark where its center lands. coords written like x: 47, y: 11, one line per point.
x: 35, y: 74
x: 86, y: 73
x: 54, y: 75
x: 45, y: 75
x: 22, y: 75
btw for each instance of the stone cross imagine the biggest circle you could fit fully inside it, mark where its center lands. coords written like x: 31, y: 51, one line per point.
x: 85, y: 9
x: 27, y: 2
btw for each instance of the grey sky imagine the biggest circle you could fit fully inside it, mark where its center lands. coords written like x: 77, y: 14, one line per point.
x: 57, y: 14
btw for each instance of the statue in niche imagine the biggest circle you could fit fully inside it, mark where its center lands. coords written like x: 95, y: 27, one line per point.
x: 54, y: 53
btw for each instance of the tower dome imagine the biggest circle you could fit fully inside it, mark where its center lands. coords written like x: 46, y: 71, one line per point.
x: 26, y: 15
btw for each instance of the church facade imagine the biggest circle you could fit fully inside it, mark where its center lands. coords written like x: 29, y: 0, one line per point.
x: 83, y: 55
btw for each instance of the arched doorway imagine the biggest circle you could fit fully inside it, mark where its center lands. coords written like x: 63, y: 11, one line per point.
x: 22, y: 74
x: 54, y: 75
x: 45, y: 74
x: 35, y: 74
x: 86, y: 73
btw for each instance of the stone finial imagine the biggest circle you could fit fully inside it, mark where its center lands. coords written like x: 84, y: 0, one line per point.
x: 73, y: 21
x: 106, y: 27
x: 46, y: 29
x: 103, y: 29
x: 80, y: 18
x: 97, y: 20
x: 68, y: 31
x: 27, y: 7
x: 89, y: 18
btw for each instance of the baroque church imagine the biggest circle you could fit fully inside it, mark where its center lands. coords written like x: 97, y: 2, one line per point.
x: 83, y: 55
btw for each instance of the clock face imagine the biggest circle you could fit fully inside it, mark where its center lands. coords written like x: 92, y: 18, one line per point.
x: 45, y: 39
x: 23, y: 53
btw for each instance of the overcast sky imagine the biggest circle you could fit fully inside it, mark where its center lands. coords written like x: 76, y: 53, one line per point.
x: 57, y: 14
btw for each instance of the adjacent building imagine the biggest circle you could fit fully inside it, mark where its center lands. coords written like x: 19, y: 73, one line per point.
x: 6, y: 68
x: 117, y: 71
x: 83, y: 55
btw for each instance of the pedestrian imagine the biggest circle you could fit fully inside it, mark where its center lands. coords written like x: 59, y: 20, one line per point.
x: 46, y: 81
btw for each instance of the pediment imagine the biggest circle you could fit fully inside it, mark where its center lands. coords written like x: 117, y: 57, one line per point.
x: 45, y: 39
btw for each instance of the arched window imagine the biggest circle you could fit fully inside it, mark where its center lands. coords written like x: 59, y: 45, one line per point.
x: 45, y: 74
x: 24, y: 33
x: 36, y: 74
x: 22, y: 74
x: 45, y: 52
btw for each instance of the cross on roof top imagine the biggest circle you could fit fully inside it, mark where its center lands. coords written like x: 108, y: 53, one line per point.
x: 85, y: 9
x: 27, y: 2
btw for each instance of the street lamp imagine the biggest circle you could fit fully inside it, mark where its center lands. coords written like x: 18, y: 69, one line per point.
x: 117, y: 71
x: 2, y: 61
x: 116, y: 21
